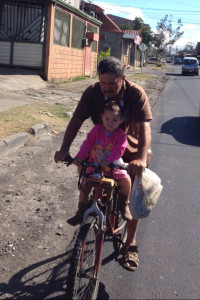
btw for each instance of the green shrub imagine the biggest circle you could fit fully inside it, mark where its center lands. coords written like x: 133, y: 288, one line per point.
x: 103, y: 54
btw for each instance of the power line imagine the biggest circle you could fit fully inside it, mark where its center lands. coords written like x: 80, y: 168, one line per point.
x: 154, y: 9
x: 186, y: 4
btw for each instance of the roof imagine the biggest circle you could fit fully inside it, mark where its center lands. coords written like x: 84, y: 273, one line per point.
x: 118, y: 20
x: 109, y: 25
x: 190, y: 57
x: 123, y: 21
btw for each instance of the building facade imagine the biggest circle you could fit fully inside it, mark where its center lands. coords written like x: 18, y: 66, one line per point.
x: 50, y: 35
x: 123, y: 43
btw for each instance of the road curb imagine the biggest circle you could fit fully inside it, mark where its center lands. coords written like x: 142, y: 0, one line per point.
x: 18, y: 140
x: 13, y: 142
x: 40, y: 129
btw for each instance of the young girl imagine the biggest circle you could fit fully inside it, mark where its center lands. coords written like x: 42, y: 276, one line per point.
x: 106, y: 143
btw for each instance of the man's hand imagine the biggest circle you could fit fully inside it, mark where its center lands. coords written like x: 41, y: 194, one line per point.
x: 136, y: 167
x: 77, y: 161
x: 60, y: 155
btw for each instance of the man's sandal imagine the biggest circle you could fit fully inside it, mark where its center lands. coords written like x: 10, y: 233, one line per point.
x: 130, y: 260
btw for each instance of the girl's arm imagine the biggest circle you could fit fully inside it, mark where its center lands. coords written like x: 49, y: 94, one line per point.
x: 118, y: 147
x: 87, y: 145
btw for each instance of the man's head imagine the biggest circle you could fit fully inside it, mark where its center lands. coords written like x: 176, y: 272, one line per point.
x: 111, y: 76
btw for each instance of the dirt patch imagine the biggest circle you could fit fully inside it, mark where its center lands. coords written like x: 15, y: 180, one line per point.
x: 37, y: 196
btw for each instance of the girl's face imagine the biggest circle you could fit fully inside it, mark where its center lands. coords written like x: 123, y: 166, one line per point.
x: 111, y: 121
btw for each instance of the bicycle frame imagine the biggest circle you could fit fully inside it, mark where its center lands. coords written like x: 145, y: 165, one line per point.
x: 99, y: 220
x: 96, y: 208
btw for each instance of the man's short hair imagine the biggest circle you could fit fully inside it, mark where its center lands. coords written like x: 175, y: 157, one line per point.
x: 112, y: 65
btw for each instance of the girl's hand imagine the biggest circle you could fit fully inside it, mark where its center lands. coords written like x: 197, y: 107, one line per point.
x: 105, y: 164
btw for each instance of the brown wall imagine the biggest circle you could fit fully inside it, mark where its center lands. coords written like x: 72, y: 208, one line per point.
x: 65, y: 63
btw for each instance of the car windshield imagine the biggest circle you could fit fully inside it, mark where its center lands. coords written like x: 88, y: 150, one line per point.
x: 189, y: 62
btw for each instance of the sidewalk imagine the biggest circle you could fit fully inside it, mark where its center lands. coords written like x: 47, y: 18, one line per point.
x: 17, y: 80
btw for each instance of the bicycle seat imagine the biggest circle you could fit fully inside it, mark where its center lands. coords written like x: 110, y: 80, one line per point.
x: 106, y: 183
x: 104, y: 180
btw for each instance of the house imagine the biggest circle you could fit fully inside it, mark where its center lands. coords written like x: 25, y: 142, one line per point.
x: 123, y: 43
x: 123, y: 21
x: 54, y: 36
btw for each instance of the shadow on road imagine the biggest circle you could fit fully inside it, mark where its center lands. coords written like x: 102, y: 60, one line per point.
x: 185, y: 130
x: 18, y: 71
x: 45, y: 279
x: 42, y: 280
x: 173, y: 74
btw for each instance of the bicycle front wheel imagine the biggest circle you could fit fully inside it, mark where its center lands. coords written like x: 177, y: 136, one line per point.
x: 120, y: 235
x: 82, y: 280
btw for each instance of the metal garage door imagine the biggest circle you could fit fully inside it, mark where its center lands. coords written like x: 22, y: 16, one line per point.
x: 22, y: 32
x: 27, y: 54
x: 5, y: 48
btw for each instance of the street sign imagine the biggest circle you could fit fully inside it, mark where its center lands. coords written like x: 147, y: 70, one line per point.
x: 143, y: 47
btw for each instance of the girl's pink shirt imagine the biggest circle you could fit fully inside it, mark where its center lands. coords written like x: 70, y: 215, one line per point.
x: 100, y: 146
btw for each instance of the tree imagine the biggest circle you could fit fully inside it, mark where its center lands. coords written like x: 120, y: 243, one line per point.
x: 138, y: 24
x: 166, y: 36
x: 103, y: 54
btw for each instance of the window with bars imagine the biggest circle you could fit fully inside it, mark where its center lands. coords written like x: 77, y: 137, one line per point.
x: 61, y: 28
x: 78, y: 33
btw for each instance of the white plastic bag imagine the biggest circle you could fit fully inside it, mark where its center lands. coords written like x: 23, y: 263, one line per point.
x: 145, y: 194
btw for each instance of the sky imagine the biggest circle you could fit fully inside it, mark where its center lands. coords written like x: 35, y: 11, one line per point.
x: 152, y: 11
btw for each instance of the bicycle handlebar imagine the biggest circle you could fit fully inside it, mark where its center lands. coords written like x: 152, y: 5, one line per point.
x: 119, y: 164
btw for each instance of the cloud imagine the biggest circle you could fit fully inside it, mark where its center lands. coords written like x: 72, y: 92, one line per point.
x: 122, y: 11
x: 191, y: 31
x: 190, y: 36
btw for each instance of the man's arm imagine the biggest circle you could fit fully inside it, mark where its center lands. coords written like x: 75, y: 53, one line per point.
x: 70, y: 134
x: 136, y: 166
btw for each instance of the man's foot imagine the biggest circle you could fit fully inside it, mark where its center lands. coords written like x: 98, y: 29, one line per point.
x: 130, y: 260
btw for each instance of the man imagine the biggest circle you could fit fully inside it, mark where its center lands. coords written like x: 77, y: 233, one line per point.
x: 112, y: 85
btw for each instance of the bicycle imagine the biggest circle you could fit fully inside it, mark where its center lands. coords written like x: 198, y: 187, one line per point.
x: 101, y: 219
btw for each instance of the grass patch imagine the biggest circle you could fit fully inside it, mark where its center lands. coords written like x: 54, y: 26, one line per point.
x: 140, y: 77
x: 21, y: 119
x: 78, y: 78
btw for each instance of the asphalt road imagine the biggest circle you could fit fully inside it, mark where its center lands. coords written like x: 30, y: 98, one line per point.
x: 169, y: 239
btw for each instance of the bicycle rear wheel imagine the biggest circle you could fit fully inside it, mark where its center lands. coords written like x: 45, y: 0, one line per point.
x: 82, y: 280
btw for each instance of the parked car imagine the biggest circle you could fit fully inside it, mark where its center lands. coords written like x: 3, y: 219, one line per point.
x: 153, y: 60
x: 168, y: 60
x: 190, y: 66
x: 177, y: 61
